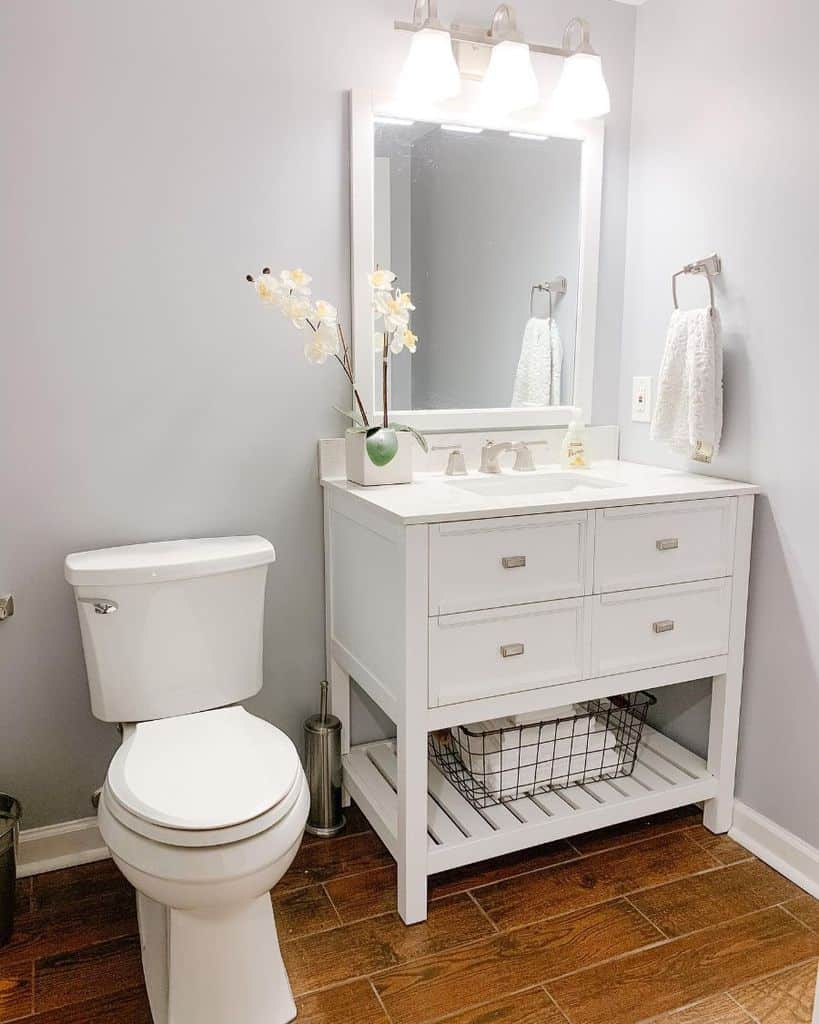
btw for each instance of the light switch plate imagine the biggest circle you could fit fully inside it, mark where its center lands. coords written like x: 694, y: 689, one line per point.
x: 641, y: 400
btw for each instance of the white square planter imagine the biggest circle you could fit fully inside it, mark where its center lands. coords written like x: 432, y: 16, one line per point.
x: 360, y: 470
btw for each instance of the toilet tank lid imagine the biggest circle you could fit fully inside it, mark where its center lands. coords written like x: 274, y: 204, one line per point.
x: 167, y: 560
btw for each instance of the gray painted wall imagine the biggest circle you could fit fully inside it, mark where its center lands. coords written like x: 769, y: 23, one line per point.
x: 491, y: 215
x: 725, y: 156
x: 153, y: 154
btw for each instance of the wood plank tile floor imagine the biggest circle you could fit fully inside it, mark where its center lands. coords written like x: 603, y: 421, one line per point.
x: 654, y: 921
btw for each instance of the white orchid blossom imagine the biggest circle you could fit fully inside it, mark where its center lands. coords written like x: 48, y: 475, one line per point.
x: 325, y: 312
x: 297, y: 309
x: 268, y: 288
x: 296, y: 281
x: 404, y: 339
x: 392, y: 309
x: 381, y: 280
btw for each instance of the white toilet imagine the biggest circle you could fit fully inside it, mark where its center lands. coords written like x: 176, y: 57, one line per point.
x: 204, y: 805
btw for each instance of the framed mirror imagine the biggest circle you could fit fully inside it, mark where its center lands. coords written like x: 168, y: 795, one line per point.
x: 495, y: 232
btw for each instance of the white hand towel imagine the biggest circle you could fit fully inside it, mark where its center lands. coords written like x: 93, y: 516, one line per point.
x: 688, y: 411
x: 533, y: 717
x: 512, y: 763
x: 557, y: 361
x: 535, y: 372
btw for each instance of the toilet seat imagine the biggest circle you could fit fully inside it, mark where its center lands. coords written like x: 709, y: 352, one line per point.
x: 204, y: 779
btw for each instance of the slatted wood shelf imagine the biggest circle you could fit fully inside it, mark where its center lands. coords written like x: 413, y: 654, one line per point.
x: 666, y: 775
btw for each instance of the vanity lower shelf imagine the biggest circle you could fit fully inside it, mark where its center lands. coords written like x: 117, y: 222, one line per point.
x: 666, y: 775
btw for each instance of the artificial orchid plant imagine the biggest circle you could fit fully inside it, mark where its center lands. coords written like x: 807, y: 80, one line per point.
x: 290, y: 293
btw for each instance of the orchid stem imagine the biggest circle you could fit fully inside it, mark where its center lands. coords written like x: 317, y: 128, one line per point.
x: 385, y: 362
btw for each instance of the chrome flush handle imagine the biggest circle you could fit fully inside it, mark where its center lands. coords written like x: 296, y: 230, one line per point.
x: 101, y: 605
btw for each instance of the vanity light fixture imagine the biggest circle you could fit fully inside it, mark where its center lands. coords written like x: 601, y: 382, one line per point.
x: 431, y: 73
x: 465, y: 129
x: 509, y: 83
x: 582, y: 92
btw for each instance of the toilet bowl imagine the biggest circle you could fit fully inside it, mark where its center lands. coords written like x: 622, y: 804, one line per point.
x: 203, y: 814
x: 204, y: 805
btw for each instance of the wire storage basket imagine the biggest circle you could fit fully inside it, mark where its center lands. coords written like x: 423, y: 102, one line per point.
x: 493, y: 765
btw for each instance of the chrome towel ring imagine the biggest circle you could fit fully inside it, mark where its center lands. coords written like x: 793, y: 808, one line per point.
x: 557, y: 286
x: 710, y: 266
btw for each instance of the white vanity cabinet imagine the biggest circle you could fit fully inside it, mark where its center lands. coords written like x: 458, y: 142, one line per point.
x: 449, y: 612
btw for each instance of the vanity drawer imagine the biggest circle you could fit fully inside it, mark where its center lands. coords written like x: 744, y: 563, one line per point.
x: 484, y: 654
x: 660, y: 626
x: 649, y: 545
x: 490, y: 563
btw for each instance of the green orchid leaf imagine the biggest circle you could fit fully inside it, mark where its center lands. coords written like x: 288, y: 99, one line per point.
x: 350, y: 415
x: 411, y: 430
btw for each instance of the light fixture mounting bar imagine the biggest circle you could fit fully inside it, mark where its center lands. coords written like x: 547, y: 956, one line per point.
x: 471, y: 34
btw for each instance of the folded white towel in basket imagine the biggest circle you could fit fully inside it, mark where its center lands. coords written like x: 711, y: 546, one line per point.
x: 526, y: 757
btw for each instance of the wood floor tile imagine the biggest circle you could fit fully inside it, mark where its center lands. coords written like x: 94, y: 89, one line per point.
x: 702, y: 900
x: 634, y: 831
x: 60, y: 887
x: 806, y: 908
x: 581, y: 883
x: 127, y: 1007
x: 785, y: 998
x: 681, y: 971
x: 22, y: 896
x: 531, y: 1007
x: 71, y: 926
x: 354, y: 1002
x: 724, y: 849
x: 435, y: 986
x: 364, y: 947
x: 716, y: 1010
x: 334, y: 858
x: 374, y: 892
x: 16, y: 990
x: 102, y: 969
x: 303, y: 911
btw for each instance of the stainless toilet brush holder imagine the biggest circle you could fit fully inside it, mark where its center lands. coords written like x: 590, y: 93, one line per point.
x: 322, y: 760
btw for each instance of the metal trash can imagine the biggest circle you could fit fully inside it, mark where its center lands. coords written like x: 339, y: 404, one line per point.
x: 10, y: 814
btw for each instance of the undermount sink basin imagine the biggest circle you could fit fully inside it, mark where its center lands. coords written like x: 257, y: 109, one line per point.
x: 531, y: 483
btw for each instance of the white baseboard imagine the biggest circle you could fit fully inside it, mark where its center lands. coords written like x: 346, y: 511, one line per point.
x: 60, y: 846
x: 785, y: 852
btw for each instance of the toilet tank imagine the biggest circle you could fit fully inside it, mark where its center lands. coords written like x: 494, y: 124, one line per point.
x: 173, y: 627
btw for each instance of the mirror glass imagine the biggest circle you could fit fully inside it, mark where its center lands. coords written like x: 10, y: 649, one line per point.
x: 471, y: 223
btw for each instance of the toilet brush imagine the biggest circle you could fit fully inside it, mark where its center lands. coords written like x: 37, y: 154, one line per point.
x: 322, y: 762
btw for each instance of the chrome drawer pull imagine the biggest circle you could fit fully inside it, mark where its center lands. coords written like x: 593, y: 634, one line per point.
x: 511, y: 650
x: 663, y: 626
x: 668, y: 544
x: 514, y: 562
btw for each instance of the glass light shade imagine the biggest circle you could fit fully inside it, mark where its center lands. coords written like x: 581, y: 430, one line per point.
x: 509, y: 83
x: 430, y: 72
x: 582, y: 92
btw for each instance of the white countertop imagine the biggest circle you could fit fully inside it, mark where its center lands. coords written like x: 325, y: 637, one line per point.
x: 435, y: 498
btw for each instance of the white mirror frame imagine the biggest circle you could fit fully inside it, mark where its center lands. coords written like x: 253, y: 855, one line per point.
x: 364, y: 107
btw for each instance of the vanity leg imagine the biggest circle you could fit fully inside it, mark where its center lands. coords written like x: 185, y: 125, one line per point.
x: 340, y: 706
x: 722, y: 752
x: 412, y: 825
x: 727, y: 689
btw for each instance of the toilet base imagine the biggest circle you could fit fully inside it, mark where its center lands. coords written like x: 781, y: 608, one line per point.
x: 214, y: 966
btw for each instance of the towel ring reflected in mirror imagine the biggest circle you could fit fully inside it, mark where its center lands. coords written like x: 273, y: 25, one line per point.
x: 710, y: 266
x: 557, y: 286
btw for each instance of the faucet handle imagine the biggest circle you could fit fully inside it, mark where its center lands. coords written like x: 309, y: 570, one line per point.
x: 456, y: 463
x: 524, y: 463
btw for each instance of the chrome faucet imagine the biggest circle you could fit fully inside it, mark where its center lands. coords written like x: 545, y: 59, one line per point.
x: 490, y: 450
x: 524, y: 463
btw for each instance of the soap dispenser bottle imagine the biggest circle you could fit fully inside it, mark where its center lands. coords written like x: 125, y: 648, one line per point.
x: 573, y: 452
